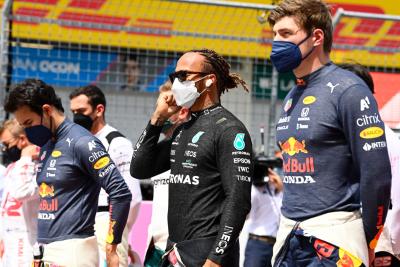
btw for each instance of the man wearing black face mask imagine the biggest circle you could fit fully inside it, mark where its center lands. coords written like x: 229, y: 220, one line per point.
x: 88, y: 104
x: 329, y: 133
x: 73, y: 167
x: 19, y: 205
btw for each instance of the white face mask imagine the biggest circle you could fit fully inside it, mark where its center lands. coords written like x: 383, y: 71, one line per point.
x: 185, y: 93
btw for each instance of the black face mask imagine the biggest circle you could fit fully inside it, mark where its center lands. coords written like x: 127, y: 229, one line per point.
x: 13, y: 153
x: 83, y: 120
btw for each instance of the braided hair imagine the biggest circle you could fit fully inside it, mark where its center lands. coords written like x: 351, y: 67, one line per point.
x: 216, y: 64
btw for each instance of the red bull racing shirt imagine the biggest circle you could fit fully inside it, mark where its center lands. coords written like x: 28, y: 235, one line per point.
x: 334, y: 150
x: 72, y: 169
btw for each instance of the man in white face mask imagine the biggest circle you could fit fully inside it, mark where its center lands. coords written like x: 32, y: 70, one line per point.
x: 210, y: 158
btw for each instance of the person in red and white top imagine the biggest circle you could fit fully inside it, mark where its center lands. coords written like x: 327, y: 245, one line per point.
x: 20, y: 200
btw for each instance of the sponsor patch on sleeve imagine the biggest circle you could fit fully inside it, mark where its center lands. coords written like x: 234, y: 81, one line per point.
x: 101, y: 163
x: 239, y: 143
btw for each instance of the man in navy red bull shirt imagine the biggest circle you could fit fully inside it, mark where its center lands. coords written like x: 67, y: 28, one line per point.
x: 330, y: 132
x: 73, y: 167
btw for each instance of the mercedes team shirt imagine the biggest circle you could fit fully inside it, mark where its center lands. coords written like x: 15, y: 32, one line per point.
x: 210, y: 158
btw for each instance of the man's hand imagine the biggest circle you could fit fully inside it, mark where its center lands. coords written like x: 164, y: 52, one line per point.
x: 166, y: 106
x: 275, y: 180
x: 1, y: 249
x: 111, y: 255
x: 371, y: 256
x: 210, y: 263
x: 30, y: 151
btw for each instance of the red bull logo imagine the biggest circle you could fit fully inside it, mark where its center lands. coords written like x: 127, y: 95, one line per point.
x: 294, y: 165
x: 46, y: 190
x: 292, y: 146
x: 346, y: 259
x: 48, y: 205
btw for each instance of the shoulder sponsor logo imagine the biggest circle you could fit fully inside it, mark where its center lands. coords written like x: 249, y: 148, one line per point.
x: 239, y: 143
x: 371, y: 133
x: 284, y: 120
x: 245, y: 153
x: 364, y: 103
x: 307, y: 179
x: 69, y: 140
x: 101, y: 163
x: 96, y: 155
x: 374, y: 146
x: 331, y: 86
x: 308, y: 100
x: 107, y: 170
x: 245, y: 169
x: 196, y: 138
x: 241, y: 160
x: 92, y: 145
x: 288, y: 105
x: 56, y: 153
x: 367, y: 120
x: 243, y: 178
x: 292, y: 146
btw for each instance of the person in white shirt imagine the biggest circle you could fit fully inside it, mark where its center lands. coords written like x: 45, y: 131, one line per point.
x: 20, y: 200
x: 158, y: 228
x: 88, y: 104
x: 263, y: 220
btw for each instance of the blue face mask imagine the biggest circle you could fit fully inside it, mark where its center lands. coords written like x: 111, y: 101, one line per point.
x: 38, y: 135
x: 286, y: 56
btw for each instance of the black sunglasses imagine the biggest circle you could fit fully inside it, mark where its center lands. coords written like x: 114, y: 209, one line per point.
x: 182, y: 75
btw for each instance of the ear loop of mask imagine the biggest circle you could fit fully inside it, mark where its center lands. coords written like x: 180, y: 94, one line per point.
x: 309, y: 52
x: 204, y: 88
x: 51, y: 123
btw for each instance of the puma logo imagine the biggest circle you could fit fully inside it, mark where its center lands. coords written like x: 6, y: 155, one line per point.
x: 332, y: 86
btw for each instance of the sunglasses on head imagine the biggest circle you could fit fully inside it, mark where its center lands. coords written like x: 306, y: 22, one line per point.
x: 182, y: 75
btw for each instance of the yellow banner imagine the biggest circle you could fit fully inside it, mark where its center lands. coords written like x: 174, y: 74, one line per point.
x: 171, y: 26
